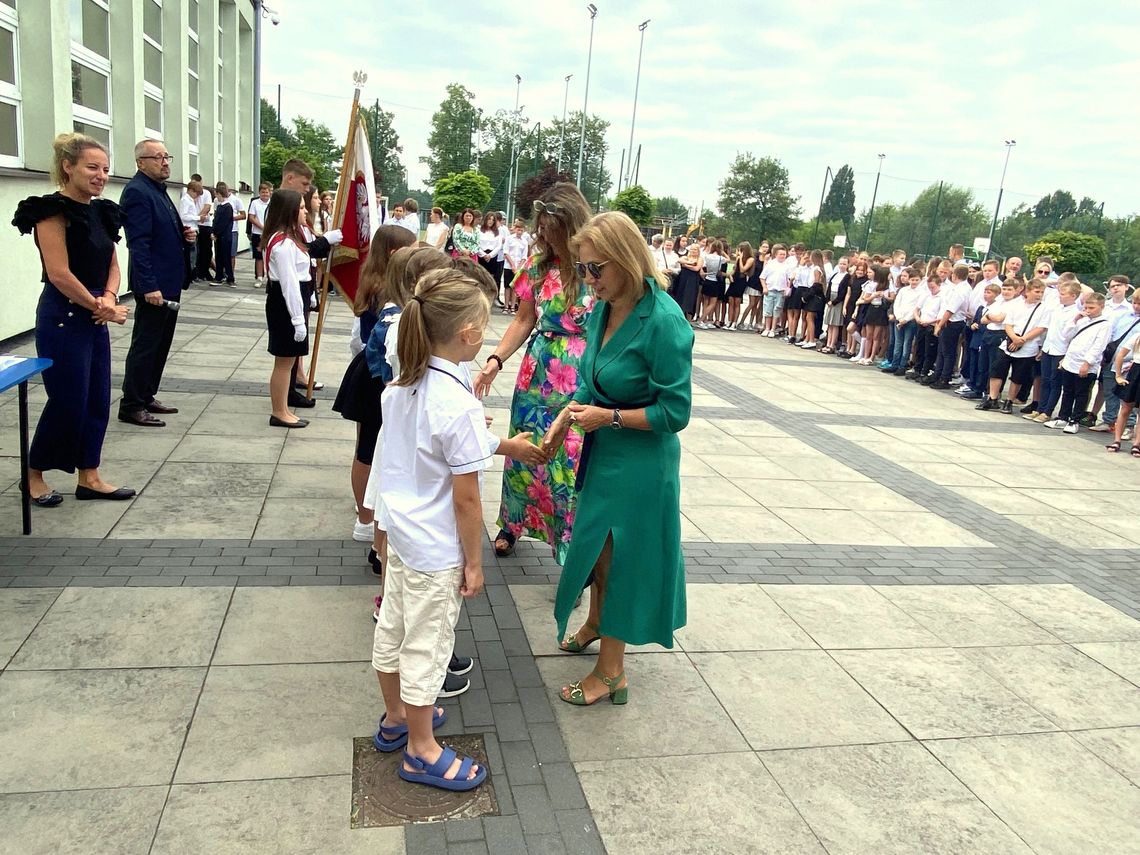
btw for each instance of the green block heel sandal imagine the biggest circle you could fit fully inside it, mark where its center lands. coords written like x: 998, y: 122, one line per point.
x: 617, y: 696
x: 571, y: 645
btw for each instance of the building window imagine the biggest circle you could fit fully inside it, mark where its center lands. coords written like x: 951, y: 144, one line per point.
x: 192, y: 15
x: 152, y: 68
x: 11, y: 130
x: 91, y: 68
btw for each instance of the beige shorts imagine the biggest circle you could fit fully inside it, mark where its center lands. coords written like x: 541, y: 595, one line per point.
x: 415, y: 634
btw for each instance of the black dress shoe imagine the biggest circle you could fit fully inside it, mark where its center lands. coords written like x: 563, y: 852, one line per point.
x: 85, y: 493
x: 940, y: 384
x: 156, y: 406
x: 296, y: 399
x: 1007, y: 407
x: 276, y: 422
x: 48, y: 500
x: 316, y: 386
x: 987, y: 404
x: 141, y: 418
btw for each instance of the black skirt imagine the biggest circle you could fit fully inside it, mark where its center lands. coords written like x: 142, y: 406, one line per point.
x: 712, y: 288
x: 1130, y: 394
x: 876, y: 316
x: 280, y: 322
x: 813, y: 302
x: 358, y: 398
x: 736, y: 289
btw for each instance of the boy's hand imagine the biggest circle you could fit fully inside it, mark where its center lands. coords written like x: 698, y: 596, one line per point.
x: 1121, y: 381
x: 1084, y: 369
x: 526, y: 451
x: 472, y: 585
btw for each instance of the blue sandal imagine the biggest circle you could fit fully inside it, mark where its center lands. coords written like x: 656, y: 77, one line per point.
x: 432, y: 774
x: 400, y: 732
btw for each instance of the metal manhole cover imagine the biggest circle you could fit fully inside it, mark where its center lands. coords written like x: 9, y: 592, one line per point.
x: 381, y: 798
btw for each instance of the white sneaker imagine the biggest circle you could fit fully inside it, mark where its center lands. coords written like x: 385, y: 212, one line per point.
x: 1072, y: 427
x: 855, y: 358
x: 1056, y: 423
x: 363, y: 532
x: 1127, y: 435
x: 731, y: 328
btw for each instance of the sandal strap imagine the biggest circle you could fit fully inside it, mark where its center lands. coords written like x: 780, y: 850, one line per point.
x: 609, y: 681
x: 439, y: 767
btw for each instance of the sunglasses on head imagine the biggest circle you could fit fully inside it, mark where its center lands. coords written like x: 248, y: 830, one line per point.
x: 547, y: 207
x: 594, y: 268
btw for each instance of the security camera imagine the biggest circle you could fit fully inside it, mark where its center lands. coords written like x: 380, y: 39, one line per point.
x: 275, y: 19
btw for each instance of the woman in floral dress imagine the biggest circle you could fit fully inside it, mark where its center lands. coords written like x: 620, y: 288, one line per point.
x: 553, y: 308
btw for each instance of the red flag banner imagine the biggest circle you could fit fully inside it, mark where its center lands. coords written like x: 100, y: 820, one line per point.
x: 358, y: 219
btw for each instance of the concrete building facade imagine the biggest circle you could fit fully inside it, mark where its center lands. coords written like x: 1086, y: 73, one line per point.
x: 118, y: 70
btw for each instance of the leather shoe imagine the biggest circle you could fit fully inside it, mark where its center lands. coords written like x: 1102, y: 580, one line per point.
x: 296, y: 399
x: 156, y: 406
x: 276, y: 422
x: 84, y: 493
x: 48, y: 500
x: 141, y: 418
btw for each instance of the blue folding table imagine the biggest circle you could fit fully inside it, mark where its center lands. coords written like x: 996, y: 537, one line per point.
x: 18, y: 375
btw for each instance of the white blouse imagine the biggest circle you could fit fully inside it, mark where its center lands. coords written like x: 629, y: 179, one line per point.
x: 289, y: 266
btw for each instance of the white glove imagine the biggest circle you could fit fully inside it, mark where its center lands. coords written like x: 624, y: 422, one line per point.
x: 300, y: 332
x: 313, y: 300
x: 334, y: 237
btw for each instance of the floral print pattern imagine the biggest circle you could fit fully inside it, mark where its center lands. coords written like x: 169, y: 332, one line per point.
x: 539, y: 501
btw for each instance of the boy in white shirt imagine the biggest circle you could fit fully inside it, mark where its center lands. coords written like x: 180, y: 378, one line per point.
x: 514, y: 255
x: 1053, y: 351
x: 1025, y: 324
x: 257, y: 209
x: 903, y: 308
x: 1124, y: 318
x: 926, y: 344
x: 953, y: 306
x: 773, y: 281
x: 1086, y: 334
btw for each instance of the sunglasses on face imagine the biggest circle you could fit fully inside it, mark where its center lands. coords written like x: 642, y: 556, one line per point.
x: 547, y: 207
x: 1045, y: 271
x: 594, y: 268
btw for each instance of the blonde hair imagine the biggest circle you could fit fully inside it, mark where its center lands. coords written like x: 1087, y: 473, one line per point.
x: 618, y: 240
x: 68, y: 148
x: 444, y: 302
x: 1070, y: 286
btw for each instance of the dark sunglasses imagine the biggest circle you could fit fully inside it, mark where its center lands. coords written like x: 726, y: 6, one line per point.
x: 594, y: 268
x: 547, y: 207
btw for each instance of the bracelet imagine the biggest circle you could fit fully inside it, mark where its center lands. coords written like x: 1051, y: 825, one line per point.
x: 497, y: 359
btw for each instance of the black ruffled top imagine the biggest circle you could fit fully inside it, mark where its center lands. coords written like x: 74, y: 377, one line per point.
x: 91, y: 233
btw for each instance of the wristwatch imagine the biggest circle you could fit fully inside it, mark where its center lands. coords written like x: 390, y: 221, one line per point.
x: 616, y: 423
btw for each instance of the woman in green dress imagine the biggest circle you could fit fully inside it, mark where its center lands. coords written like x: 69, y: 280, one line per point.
x: 635, y: 397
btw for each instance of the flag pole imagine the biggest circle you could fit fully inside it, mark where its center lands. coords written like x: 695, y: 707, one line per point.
x: 358, y: 78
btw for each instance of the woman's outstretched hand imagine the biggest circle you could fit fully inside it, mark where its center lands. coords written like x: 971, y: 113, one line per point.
x: 485, y: 378
x: 553, y: 439
x: 588, y: 418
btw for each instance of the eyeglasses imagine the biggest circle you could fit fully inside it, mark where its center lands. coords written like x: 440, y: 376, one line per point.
x: 547, y: 207
x: 594, y: 268
x: 164, y: 158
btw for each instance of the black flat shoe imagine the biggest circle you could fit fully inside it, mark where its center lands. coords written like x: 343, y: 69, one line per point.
x: 141, y: 418
x: 48, y: 500
x: 86, y: 493
x: 299, y: 400
x: 316, y: 386
x: 276, y: 422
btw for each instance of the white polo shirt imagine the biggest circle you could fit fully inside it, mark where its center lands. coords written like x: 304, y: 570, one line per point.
x: 431, y: 432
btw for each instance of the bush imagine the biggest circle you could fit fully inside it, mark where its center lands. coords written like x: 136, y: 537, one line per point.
x: 1084, y: 255
x: 460, y: 190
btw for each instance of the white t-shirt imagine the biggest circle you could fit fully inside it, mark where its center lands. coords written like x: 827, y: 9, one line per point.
x: 239, y: 207
x: 515, y: 248
x: 202, y: 201
x: 257, y: 208
x: 775, y: 275
x: 432, y: 432
x: 1024, y: 318
x: 434, y: 230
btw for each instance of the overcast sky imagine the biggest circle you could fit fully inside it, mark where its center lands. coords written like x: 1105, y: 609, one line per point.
x: 936, y: 86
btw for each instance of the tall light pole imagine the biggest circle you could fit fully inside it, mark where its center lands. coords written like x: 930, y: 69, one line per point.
x: 636, y: 87
x: 259, y: 11
x: 1009, y: 144
x: 562, y: 135
x: 593, y: 10
x: 874, y: 196
x: 514, y: 147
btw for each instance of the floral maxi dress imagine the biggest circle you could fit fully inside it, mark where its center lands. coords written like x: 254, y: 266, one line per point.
x: 539, y: 501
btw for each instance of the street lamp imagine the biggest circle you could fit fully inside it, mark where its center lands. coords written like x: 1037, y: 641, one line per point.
x: 636, y: 87
x: 1009, y: 144
x: 593, y: 10
x: 514, y: 147
x: 874, y: 196
x: 562, y: 135
x: 260, y: 10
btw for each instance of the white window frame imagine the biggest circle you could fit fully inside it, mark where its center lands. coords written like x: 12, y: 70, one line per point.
x: 194, y: 114
x: 148, y: 88
x: 9, y: 92
x: 93, y: 61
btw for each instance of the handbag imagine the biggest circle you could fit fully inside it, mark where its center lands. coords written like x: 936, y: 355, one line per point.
x: 1110, y: 348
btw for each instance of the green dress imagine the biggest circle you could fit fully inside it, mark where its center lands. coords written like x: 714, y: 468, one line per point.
x: 630, y: 480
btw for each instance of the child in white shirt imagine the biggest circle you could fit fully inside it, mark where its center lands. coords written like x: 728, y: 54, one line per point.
x: 1085, y: 334
x: 1053, y: 351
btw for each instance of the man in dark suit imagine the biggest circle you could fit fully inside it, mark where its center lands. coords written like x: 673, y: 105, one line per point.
x: 154, y: 237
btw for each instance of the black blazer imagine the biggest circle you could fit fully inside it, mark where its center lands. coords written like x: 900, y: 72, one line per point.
x: 154, y: 238
x: 841, y: 295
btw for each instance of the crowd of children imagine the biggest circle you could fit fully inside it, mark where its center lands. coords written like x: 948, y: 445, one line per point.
x: 1045, y: 339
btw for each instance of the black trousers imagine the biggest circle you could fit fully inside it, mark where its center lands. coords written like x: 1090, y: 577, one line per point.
x: 223, y: 259
x: 205, y: 252
x: 146, y: 360
x: 187, y: 263
x: 1075, y: 391
x: 948, y: 350
x: 926, y: 351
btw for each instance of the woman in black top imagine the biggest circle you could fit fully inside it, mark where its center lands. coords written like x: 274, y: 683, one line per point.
x: 76, y: 234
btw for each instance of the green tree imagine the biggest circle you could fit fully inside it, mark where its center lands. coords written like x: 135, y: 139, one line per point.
x: 840, y: 201
x: 1056, y: 207
x: 669, y: 206
x: 534, y: 188
x: 1085, y: 255
x: 273, y: 157
x: 929, y: 224
x: 272, y: 129
x: 461, y: 190
x: 384, y: 142
x: 452, y: 127
x: 754, y: 198
x: 635, y: 202
x: 320, y: 150
x: 596, y: 179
